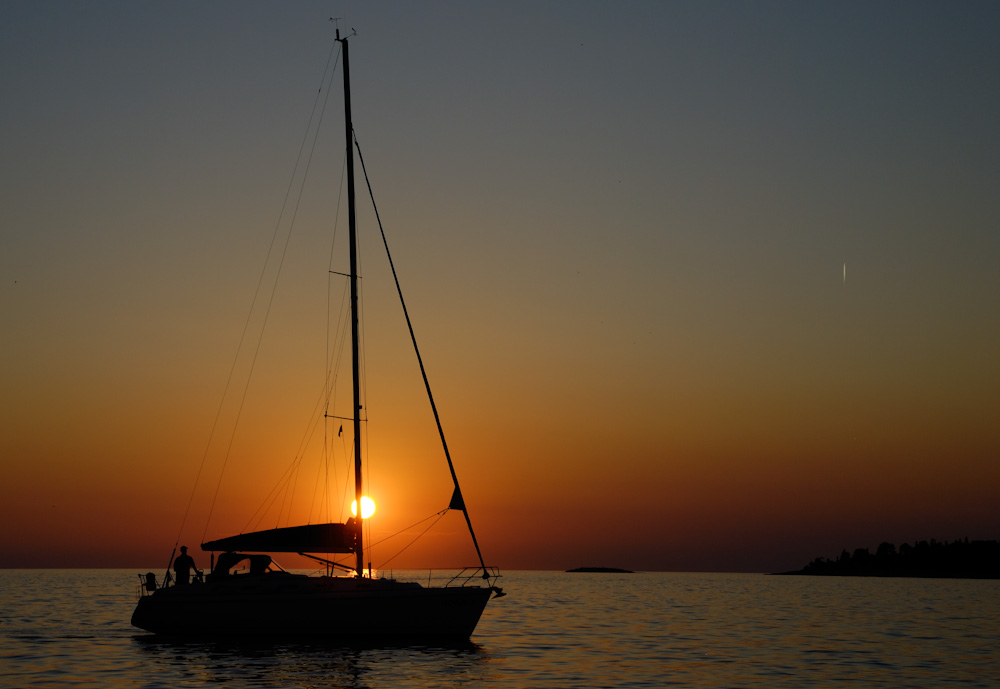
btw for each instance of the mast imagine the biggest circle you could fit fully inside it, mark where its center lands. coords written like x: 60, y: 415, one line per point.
x: 355, y: 356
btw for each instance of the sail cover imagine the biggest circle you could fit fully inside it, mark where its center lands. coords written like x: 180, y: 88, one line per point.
x: 311, y: 538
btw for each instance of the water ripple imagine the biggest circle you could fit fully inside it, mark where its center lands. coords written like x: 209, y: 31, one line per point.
x: 70, y: 629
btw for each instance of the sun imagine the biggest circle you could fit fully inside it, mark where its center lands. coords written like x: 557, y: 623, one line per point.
x: 367, y: 507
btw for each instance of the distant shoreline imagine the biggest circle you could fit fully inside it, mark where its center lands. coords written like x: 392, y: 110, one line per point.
x: 599, y: 570
x: 963, y: 559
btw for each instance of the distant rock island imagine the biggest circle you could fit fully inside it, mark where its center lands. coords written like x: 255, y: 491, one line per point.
x: 602, y: 570
x: 956, y: 560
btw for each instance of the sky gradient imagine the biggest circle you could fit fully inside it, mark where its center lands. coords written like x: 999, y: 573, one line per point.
x: 699, y: 286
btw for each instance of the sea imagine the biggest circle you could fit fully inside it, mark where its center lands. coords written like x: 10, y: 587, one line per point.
x: 70, y: 628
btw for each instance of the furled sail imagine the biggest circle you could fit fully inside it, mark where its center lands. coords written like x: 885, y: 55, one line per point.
x: 310, y: 538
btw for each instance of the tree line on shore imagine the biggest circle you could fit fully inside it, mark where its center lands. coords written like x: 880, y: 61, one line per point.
x: 963, y: 559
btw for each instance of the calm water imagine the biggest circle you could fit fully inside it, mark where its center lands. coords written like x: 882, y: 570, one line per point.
x: 69, y: 628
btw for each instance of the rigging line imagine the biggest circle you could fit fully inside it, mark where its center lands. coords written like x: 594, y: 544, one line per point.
x: 324, y: 471
x: 343, y: 320
x: 330, y: 379
x: 363, y: 412
x: 253, y: 303
x: 281, y: 260
x: 269, y: 500
x: 299, y: 457
x: 407, y: 528
x: 418, y: 537
x: 329, y: 281
x: 287, y: 481
x: 330, y: 388
x: 348, y: 460
x: 325, y: 514
x: 285, y: 486
x: 420, y: 361
x: 314, y: 421
x: 300, y: 454
x: 318, y: 482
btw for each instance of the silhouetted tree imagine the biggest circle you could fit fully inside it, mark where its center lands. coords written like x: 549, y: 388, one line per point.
x: 964, y: 558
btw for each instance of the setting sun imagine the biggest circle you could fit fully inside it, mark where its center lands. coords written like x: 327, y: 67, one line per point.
x: 367, y: 507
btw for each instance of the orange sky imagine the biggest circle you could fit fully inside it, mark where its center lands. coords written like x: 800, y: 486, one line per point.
x: 622, y: 237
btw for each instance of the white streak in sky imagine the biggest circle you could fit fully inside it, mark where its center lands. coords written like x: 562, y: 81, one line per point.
x: 845, y: 272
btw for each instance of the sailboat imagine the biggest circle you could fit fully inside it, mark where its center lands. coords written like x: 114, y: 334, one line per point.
x: 265, y: 600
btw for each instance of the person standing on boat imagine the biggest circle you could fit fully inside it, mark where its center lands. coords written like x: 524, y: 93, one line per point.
x: 183, y: 566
